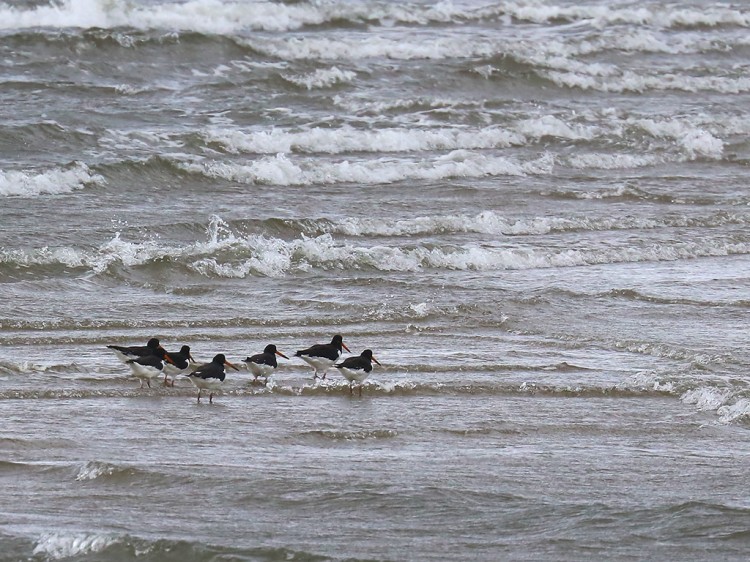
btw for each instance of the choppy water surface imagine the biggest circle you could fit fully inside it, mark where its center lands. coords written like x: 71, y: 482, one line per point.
x: 535, y: 214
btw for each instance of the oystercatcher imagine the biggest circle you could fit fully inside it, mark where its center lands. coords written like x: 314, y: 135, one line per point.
x: 210, y: 376
x: 357, y: 369
x: 181, y: 362
x: 321, y: 356
x: 125, y: 354
x: 149, y: 366
x: 263, y: 364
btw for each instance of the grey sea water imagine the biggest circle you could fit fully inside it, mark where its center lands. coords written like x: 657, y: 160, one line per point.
x: 534, y: 213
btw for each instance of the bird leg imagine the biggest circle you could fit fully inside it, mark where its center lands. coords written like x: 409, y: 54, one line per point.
x: 211, y: 398
x: 199, y: 394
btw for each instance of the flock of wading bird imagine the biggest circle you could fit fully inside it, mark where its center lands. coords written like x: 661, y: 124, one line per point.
x: 152, y: 360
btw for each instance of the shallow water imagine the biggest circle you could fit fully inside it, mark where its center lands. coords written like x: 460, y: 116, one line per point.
x: 534, y: 215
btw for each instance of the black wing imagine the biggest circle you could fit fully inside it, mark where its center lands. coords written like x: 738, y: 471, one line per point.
x: 321, y: 350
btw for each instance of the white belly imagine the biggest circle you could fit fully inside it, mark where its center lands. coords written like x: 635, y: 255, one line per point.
x: 144, y: 372
x: 354, y: 375
x: 260, y: 370
x: 317, y: 363
x: 206, y: 384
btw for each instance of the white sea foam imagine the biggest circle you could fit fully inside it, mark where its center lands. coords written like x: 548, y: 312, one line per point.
x: 646, y: 381
x: 94, y: 469
x: 215, y: 16
x: 323, y: 78
x: 629, y: 81
x: 614, y: 161
x: 349, y: 139
x: 208, y: 16
x: 688, y: 139
x: 353, y: 48
x: 226, y: 253
x: 281, y: 170
x: 49, y: 182
x: 491, y: 222
x: 707, y: 397
x: 227, y: 17
x: 733, y: 412
x: 273, y: 257
x: 58, y: 546
x: 552, y: 126
x: 601, y: 15
x: 696, y: 142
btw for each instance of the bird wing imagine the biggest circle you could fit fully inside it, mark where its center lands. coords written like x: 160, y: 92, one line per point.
x: 321, y: 350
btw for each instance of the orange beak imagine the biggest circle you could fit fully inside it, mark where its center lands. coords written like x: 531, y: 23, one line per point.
x: 168, y: 359
x: 376, y: 361
x: 190, y: 356
x: 281, y: 355
x: 344, y: 346
x: 228, y: 364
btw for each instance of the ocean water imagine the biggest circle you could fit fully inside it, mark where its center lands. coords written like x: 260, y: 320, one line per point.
x: 534, y: 213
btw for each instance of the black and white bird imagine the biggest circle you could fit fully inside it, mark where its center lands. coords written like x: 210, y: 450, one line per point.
x: 149, y: 367
x: 125, y: 354
x: 357, y: 369
x: 264, y: 364
x: 323, y: 355
x: 181, y: 362
x: 210, y: 376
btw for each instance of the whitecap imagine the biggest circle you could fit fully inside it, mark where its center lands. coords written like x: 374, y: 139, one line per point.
x: 323, y: 78
x: 54, y: 181
x: 281, y: 170
x: 58, y: 546
x: 94, y: 469
x: 349, y: 139
x: 707, y: 397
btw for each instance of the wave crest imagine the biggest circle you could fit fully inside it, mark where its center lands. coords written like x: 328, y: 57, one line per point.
x: 51, y: 182
x: 228, y: 253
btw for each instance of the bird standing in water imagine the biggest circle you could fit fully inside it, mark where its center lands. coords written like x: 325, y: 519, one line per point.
x: 210, y: 376
x: 264, y: 364
x: 357, y: 369
x: 181, y: 362
x: 323, y: 355
x: 125, y: 354
x: 149, y: 366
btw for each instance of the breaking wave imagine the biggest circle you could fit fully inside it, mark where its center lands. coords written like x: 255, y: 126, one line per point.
x: 229, y: 253
x: 92, y: 546
x: 210, y: 16
x: 55, y: 181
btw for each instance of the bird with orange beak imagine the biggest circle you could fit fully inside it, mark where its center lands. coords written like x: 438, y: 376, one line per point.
x: 210, y: 376
x: 357, y: 369
x: 323, y: 355
x: 264, y: 364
